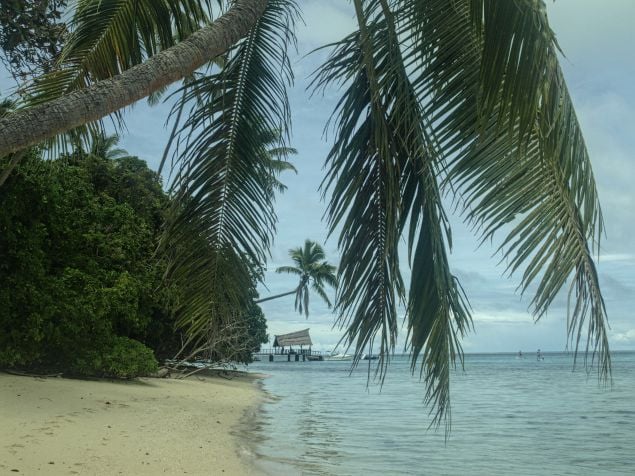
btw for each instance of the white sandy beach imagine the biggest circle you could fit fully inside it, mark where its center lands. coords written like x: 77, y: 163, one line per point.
x: 57, y: 426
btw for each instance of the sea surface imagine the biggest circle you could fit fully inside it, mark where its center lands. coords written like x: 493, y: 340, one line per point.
x: 510, y: 416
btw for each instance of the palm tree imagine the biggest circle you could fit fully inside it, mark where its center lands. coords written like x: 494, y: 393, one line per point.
x: 464, y: 98
x: 107, y: 40
x: 314, y: 271
x: 278, y: 154
x: 105, y: 146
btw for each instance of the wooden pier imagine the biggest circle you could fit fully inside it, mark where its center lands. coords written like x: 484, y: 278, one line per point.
x: 290, y: 356
x: 291, y: 347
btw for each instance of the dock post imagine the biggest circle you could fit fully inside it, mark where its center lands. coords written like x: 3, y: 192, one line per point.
x: 288, y: 357
x: 270, y: 357
x: 303, y: 358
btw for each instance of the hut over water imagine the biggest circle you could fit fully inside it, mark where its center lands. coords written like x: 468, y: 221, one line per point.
x: 294, y: 339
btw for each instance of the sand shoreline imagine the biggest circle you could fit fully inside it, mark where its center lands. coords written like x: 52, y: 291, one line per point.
x: 142, y: 427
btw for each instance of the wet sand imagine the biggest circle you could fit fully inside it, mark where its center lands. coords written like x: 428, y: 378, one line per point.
x: 58, y: 426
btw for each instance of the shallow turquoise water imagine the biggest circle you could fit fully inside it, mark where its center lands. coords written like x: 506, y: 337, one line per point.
x: 510, y: 416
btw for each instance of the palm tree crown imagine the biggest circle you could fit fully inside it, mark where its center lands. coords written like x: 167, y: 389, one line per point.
x: 105, y: 146
x: 314, y: 272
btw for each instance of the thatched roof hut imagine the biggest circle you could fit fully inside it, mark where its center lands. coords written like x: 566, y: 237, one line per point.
x: 299, y: 338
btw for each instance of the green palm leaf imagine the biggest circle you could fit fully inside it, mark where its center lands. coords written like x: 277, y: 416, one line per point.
x: 467, y: 97
x: 534, y: 165
x: 320, y: 291
x: 289, y: 270
x: 487, y: 73
x: 363, y: 179
x: 110, y: 36
x: 106, y: 146
x: 223, y: 186
x: 380, y: 132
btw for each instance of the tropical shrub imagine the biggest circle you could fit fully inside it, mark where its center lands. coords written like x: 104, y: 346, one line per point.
x: 77, y: 276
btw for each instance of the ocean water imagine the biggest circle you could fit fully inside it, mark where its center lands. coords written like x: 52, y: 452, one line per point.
x: 510, y: 416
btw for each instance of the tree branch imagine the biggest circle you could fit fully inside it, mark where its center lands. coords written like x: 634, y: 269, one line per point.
x: 17, y: 157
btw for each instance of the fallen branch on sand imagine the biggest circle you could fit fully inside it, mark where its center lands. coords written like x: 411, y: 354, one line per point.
x: 29, y: 374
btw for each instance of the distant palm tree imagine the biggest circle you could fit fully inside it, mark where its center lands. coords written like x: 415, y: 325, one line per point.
x: 277, y: 154
x: 105, y: 146
x: 314, y: 271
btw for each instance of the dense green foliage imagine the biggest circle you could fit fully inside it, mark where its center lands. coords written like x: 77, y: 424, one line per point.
x: 31, y: 34
x: 81, y: 286
x: 77, y: 273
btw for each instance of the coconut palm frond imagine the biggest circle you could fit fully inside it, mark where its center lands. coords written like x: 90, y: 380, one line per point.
x: 278, y: 153
x: 222, y: 187
x: 288, y: 270
x: 531, y: 169
x: 324, y: 273
x: 203, y: 300
x: 284, y: 152
x: 381, y: 133
x: 363, y: 179
x: 437, y: 314
x: 443, y: 56
x: 488, y: 76
x: 320, y: 291
x: 105, y: 146
x: 441, y: 65
x: 183, y: 102
x: 110, y: 36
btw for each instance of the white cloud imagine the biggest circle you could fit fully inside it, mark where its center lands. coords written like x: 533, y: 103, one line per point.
x: 507, y: 317
x: 592, y: 32
x: 617, y: 257
x: 326, y: 21
x: 627, y: 337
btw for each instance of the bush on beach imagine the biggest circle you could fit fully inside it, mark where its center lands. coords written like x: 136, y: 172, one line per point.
x: 122, y: 358
x: 81, y: 285
x: 78, y: 282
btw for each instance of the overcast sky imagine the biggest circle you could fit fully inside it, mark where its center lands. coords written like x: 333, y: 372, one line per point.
x: 598, y: 39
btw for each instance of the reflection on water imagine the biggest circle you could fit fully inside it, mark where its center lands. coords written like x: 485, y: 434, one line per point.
x: 320, y: 441
x: 509, y: 416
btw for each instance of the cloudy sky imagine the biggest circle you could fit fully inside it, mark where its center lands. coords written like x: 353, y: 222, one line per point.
x: 598, y: 39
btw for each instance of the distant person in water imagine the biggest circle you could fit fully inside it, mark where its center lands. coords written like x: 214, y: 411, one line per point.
x: 539, y: 355
x: 520, y: 354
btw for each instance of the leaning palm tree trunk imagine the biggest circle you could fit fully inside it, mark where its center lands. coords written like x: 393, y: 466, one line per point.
x: 270, y: 298
x: 31, y: 126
